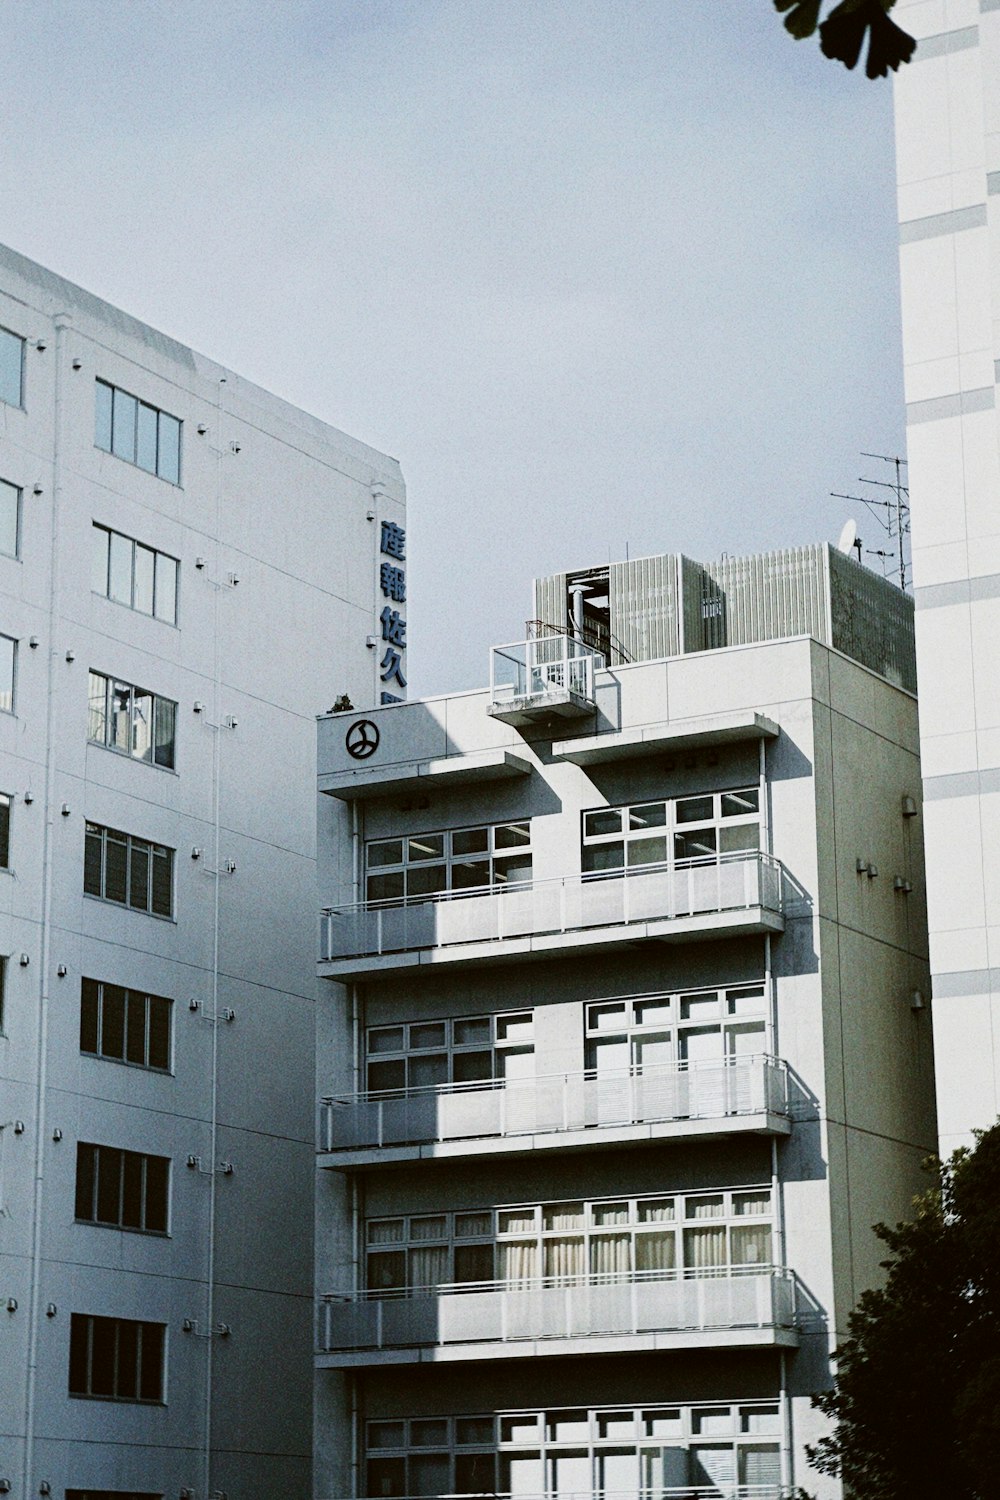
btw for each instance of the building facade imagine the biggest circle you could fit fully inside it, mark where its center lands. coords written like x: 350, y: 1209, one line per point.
x: 624, y: 1049
x: 948, y: 166
x: 189, y: 570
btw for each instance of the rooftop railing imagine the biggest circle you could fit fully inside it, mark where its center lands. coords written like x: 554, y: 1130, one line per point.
x: 654, y: 893
x: 757, y: 1297
x: 556, y: 1103
x: 536, y: 671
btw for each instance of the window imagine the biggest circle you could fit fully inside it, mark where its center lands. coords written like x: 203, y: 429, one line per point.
x: 10, y: 519
x: 130, y: 871
x: 466, y: 1049
x: 131, y: 720
x: 130, y: 573
x: 122, y: 1188
x: 3, y: 993
x: 139, y: 433
x: 563, y: 1244
x: 125, y: 1025
x: 113, y: 1495
x: 423, y: 865
x: 680, y: 828
x: 646, y: 1031
x: 653, y: 1450
x: 116, y: 1358
x: 8, y: 661
x: 5, y: 803
x: 11, y: 368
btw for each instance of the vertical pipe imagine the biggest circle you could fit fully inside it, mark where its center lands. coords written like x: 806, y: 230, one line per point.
x: 785, y: 1400
x: 62, y: 321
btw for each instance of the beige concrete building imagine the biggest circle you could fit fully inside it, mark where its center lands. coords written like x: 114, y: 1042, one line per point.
x: 624, y: 1048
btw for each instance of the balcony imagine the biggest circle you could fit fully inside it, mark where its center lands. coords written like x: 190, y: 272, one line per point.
x: 572, y: 1111
x: 550, y: 677
x: 717, y: 896
x: 720, y: 1489
x: 609, y: 1314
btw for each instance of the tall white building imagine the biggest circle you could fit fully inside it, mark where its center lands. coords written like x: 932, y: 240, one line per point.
x: 190, y: 570
x: 624, y: 1044
x: 948, y: 164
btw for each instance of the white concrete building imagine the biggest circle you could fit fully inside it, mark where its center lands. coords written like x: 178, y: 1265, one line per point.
x: 948, y: 164
x: 189, y: 571
x: 624, y: 1049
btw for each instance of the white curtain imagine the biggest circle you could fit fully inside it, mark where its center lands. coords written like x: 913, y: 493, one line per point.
x: 518, y: 1262
x: 655, y: 1252
x: 705, y: 1248
x: 610, y: 1255
x: 565, y: 1260
x: 428, y: 1266
x: 751, y: 1245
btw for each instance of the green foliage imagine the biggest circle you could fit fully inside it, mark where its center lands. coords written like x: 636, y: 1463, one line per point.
x: 842, y: 34
x: 916, y: 1403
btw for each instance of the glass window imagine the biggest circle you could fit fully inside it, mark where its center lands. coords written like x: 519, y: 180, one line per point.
x: 165, y: 597
x: 142, y: 581
x: 10, y: 518
x: 133, y: 574
x: 5, y: 802
x: 127, y: 870
x: 424, y: 865
x: 11, y: 368
x: 137, y: 432
x: 116, y: 1358
x: 131, y: 720
x: 467, y: 1049
x: 8, y: 658
x: 124, y: 1189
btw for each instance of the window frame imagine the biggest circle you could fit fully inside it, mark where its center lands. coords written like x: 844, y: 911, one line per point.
x: 495, y: 857
x: 672, y: 832
x: 18, y: 490
x: 159, y: 709
x: 400, y: 1446
x: 105, y: 592
x: 634, y: 1032
x: 134, y: 846
x: 84, y: 1326
x: 450, y: 1050
x: 116, y: 1164
x: 13, y: 643
x: 18, y: 405
x: 130, y: 1001
x: 678, y: 1222
x: 133, y: 442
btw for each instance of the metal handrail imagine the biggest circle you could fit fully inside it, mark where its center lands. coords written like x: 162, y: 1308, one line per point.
x: 587, y: 877
x: 529, y: 1284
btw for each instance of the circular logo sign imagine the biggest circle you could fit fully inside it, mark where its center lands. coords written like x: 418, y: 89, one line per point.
x: 362, y: 739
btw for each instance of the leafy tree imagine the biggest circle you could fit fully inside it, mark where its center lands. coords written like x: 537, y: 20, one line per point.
x: 916, y: 1402
x: 842, y: 34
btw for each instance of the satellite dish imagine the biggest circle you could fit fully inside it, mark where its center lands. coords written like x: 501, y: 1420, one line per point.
x: 848, y: 538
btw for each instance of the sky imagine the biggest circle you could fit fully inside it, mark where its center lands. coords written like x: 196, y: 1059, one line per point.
x: 608, y: 277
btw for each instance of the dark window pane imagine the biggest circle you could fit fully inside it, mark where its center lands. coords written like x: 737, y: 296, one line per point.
x: 470, y: 874
x: 79, y: 1341
x: 386, y: 1271
x: 11, y: 368
x: 159, y: 1032
x: 427, y: 1070
x: 166, y: 716
x: 386, y: 1477
x: 109, y: 1185
x: 85, y: 1155
x: 472, y: 1067
x: 473, y: 1262
x: 389, y: 1073
x: 162, y: 872
x: 510, y: 835
x: 138, y: 880
x: 132, y: 1190
x: 89, y: 1000
x: 135, y: 1029
x: 607, y: 820
x: 425, y: 880
x: 102, y: 1357
x: 123, y: 425
x: 652, y: 815
x: 145, y: 448
x: 151, y: 1384
x: 385, y: 887
x: 739, y: 804
x: 603, y: 857
x: 92, y: 860
x: 115, y: 859
x: 10, y: 507
x: 474, y: 1473
x: 470, y: 841
x: 694, y: 810
x: 4, y: 831
x: 129, y: 1334
x: 169, y: 460
x: 697, y: 845
x: 102, y: 416
x: 157, y: 1178
x: 113, y: 1021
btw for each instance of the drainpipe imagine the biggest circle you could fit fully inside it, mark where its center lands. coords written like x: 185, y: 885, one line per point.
x: 62, y: 321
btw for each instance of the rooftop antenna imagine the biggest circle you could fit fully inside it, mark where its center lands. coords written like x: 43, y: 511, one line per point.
x: 892, y: 514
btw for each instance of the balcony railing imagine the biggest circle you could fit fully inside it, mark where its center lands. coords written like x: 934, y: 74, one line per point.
x: 719, y: 1489
x: 688, y: 888
x: 494, y: 1313
x: 558, y: 1103
x: 552, y: 674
